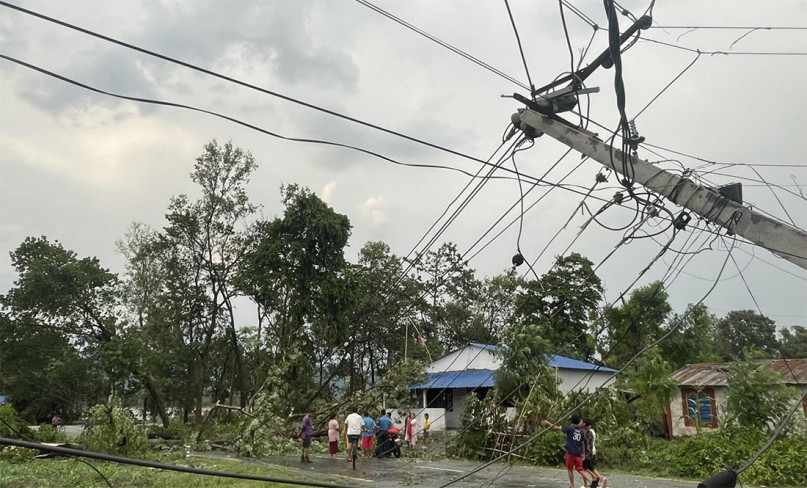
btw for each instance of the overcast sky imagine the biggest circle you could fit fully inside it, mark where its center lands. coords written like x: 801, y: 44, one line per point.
x: 79, y: 167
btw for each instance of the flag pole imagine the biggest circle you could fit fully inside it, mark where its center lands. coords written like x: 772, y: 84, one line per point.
x: 406, y: 340
x: 420, y: 339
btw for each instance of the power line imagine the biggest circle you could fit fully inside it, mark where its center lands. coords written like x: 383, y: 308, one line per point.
x: 15, y: 431
x: 571, y: 56
x: 667, y: 86
x: 728, y: 27
x: 771, y: 165
x: 273, y: 134
x: 237, y: 82
x: 442, y: 43
x: 520, y: 48
x: 240, y: 122
x: 155, y: 465
x: 585, y: 18
x: 727, y: 53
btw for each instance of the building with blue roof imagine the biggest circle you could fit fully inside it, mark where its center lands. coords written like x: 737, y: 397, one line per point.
x: 471, y: 369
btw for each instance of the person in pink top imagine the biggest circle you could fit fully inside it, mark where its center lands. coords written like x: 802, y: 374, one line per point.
x: 413, y: 426
x: 408, y: 429
x: 333, y: 435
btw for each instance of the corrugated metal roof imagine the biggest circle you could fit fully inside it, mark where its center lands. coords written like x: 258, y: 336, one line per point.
x: 480, y: 378
x: 483, y: 378
x: 713, y: 374
x: 569, y: 363
x: 554, y: 361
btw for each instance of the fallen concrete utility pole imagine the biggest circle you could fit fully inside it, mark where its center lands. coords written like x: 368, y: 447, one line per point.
x: 781, y: 239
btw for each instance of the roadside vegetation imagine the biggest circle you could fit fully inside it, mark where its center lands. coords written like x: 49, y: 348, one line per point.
x: 630, y: 427
x: 69, y: 473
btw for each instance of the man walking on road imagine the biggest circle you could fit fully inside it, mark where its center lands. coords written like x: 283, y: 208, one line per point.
x: 355, y: 426
x: 575, y: 448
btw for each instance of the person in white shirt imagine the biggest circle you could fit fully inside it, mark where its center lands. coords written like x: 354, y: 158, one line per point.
x: 590, y: 462
x: 355, y: 425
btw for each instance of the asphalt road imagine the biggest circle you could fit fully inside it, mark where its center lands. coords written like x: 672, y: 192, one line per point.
x: 388, y: 473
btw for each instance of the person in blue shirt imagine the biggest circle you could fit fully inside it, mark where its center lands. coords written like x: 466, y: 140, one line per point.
x: 575, y: 448
x: 368, y: 434
x: 384, y: 424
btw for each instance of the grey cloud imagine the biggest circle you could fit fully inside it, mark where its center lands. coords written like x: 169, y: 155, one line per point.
x: 275, y: 37
x: 106, y: 72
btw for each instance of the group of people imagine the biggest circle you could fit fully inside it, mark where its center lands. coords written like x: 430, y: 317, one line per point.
x: 581, y: 451
x: 411, y: 431
x: 581, y: 447
x: 364, y: 428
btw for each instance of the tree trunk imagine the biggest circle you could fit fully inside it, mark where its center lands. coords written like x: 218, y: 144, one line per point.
x: 158, y: 402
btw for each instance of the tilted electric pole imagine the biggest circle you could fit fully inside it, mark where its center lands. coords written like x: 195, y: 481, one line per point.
x: 781, y: 239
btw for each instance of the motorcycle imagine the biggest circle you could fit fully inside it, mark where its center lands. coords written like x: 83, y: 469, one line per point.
x: 389, y: 443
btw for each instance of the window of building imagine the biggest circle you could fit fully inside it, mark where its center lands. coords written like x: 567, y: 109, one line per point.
x: 443, y: 398
x: 699, y: 407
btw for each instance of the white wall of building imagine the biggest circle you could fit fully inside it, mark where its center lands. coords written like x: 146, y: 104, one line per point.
x: 581, y: 379
x: 468, y: 357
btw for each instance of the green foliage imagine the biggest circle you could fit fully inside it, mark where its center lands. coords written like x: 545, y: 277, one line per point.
x: 649, y: 379
x: 111, y: 429
x: 46, y: 433
x: 560, y: 302
x: 62, y: 307
x: 690, y: 337
x: 69, y: 473
x: 742, y: 330
x: 757, y: 396
x: 293, y: 272
x: 524, y: 373
x: 394, y: 386
x: 492, y: 310
x: 793, y: 343
x: 18, y: 428
x: 706, y: 454
x: 476, y: 430
x: 634, y: 325
x: 14, y: 454
x: 264, y: 432
x: 449, y: 286
x: 177, y: 429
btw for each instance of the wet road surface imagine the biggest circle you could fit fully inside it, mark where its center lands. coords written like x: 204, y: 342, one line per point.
x: 388, y: 473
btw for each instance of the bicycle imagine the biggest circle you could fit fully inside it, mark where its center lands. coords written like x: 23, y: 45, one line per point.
x: 354, y: 448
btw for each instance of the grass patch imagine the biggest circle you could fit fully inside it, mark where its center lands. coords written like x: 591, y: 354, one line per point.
x: 69, y: 473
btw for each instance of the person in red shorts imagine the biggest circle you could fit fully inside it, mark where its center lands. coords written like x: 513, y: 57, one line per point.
x: 575, y: 448
x: 368, y: 433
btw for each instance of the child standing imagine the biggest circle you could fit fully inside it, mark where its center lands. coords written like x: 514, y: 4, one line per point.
x: 590, y: 462
x: 575, y: 448
x: 426, y: 426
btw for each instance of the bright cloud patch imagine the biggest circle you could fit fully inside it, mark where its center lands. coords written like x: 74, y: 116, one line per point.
x: 327, y: 191
x: 374, y: 210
